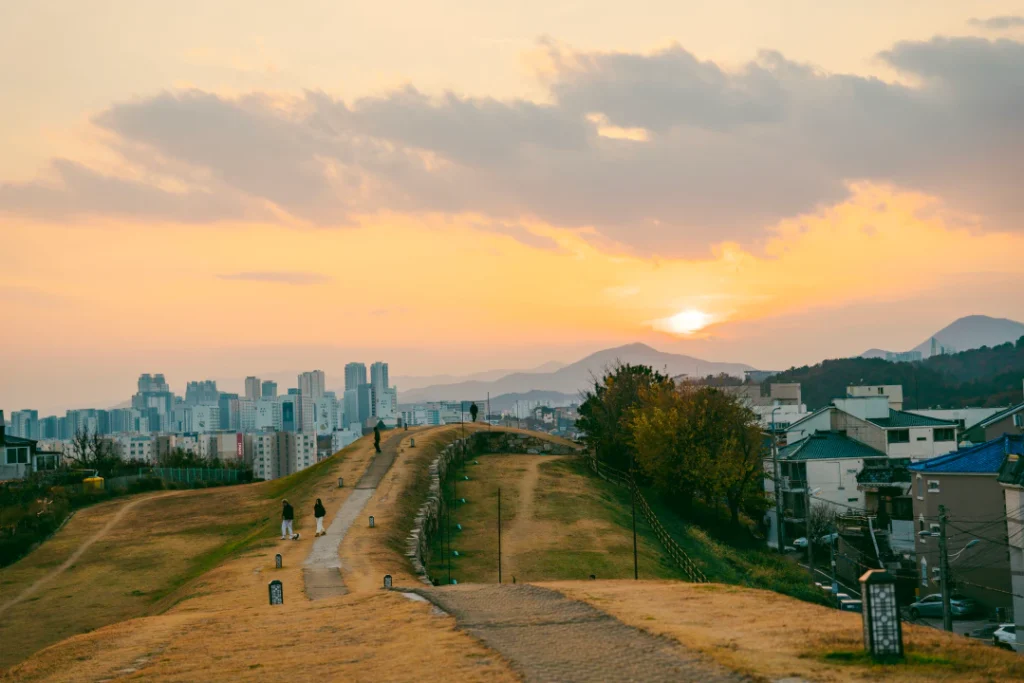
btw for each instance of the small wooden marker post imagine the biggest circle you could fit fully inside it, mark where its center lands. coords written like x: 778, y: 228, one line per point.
x: 371, y: 521
x: 412, y: 443
x: 276, y: 590
x: 387, y: 581
x: 278, y: 561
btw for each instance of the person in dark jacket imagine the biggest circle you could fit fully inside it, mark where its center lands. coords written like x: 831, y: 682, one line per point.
x: 287, y: 516
x: 319, y: 512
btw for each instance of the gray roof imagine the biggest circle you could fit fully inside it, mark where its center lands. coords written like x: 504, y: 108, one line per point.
x: 899, y: 419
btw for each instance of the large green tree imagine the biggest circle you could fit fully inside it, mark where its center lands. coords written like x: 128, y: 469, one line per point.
x: 698, y: 441
x: 607, y: 406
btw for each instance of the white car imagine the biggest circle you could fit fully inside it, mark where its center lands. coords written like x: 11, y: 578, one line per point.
x: 1005, y: 636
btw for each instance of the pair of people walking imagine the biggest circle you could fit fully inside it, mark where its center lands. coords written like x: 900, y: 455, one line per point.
x: 288, y: 519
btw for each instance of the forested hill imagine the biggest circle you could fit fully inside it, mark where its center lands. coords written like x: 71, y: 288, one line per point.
x: 981, y: 377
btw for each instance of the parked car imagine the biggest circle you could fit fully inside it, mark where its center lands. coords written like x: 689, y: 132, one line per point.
x: 984, y: 633
x: 826, y: 540
x: 1005, y: 636
x: 931, y: 606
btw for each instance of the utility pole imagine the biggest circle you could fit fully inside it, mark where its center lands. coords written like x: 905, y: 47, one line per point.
x: 807, y: 524
x: 632, y: 497
x: 499, y: 536
x: 832, y: 557
x: 778, y: 484
x: 449, y: 546
x: 947, y: 611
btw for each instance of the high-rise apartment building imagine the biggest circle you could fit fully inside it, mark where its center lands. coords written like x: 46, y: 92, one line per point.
x: 253, y: 388
x: 228, y: 404
x: 25, y: 423
x: 379, y: 376
x: 155, y: 400
x: 312, y: 384
x: 201, y: 393
x: 355, y: 374
x: 269, y: 389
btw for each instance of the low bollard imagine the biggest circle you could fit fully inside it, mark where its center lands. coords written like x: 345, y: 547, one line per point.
x: 371, y: 521
x: 387, y: 580
x: 341, y: 482
x: 276, y: 590
x: 278, y: 561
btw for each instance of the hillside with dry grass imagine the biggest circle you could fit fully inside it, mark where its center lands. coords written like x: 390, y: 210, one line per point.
x: 176, y: 590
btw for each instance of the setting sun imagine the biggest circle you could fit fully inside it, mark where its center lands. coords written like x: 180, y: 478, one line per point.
x: 687, y: 322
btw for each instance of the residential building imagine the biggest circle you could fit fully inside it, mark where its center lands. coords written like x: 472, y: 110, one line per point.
x: 253, y: 388
x: 20, y: 457
x: 127, y: 421
x: 355, y: 374
x: 1011, y: 477
x: 247, y: 414
x: 364, y: 403
x: 289, y: 412
x: 379, y: 376
x: 141, y: 447
x: 266, y: 415
x: 200, y: 393
x: 827, y: 460
x: 872, y: 421
x: 325, y: 413
x: 261, y: 454
x: 155, y: 400
x: 966, y: 418
x: 228, y: 404
x: 269, y: 389
x: 902, y: 356
x: 313, y: 384
x: 25, y: 424
x: 1008, y: 421
x: 892, y: 392
x: 966, y: 482
x: 340, y: 438
x: 296, y: 451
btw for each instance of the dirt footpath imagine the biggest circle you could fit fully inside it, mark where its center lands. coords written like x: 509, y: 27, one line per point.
x: 548, y: 637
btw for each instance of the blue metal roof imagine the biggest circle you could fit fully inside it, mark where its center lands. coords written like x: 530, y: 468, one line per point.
x: 985, y: 458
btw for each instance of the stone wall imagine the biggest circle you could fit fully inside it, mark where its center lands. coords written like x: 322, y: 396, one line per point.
x: 428, y: 519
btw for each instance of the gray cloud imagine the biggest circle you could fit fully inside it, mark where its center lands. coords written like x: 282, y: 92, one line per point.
x: 280, y: 277
x: 998, y: 23
x: 727, y: 151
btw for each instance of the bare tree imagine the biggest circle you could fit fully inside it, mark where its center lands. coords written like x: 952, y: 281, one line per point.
x: 92, y: 452
x: 821, y: 520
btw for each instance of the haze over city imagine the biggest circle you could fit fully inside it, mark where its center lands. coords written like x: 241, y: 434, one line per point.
x: 462, y: 188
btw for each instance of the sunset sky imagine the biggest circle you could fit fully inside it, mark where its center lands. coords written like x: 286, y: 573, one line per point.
x: 211, y: 190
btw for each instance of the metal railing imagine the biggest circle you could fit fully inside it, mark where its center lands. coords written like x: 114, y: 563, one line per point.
x: 674, y: 550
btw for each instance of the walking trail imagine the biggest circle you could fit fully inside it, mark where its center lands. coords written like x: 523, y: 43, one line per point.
x: 546, y: 636
x: 523, y: 527
x: 75, y: 556
x: 322, y: 570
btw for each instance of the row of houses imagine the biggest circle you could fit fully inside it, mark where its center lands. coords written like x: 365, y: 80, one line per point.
x: 885, y: 471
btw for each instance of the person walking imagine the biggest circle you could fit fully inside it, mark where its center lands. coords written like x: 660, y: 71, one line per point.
x: 287, y: 517
x: 319, y: 512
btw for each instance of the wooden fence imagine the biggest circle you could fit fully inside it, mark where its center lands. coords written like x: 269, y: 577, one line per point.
x: 674, y: 550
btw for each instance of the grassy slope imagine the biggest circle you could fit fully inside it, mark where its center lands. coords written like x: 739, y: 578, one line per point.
x: 578, y: 526
x: 731, y: 556
x: 145, y: 561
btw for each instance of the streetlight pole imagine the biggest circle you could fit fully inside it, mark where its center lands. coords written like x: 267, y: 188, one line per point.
x: 947, y: 611
x: 807, y: 523
x: 632, y: 498
x: 778, y: 484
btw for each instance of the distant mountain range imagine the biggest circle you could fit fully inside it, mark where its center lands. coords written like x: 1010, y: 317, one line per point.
x: 965, y: 334
x: 410, y: 382
x: 572, y: 378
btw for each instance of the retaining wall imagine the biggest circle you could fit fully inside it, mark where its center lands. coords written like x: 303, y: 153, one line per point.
x: 428, y: 519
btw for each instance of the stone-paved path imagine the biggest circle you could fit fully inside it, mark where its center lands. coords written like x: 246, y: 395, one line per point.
x: 546, y: 636
x: 321, y: 572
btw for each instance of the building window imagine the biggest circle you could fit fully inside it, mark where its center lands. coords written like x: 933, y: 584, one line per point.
x: 17, y: 456
x: 898, y: 435
x: 945, y: 435
x: 933, y: 486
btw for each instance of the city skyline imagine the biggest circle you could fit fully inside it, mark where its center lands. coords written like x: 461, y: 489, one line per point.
x: 473, y: 189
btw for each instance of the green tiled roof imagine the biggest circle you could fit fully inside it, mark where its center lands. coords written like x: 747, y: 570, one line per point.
x: 898, y: 419
x: 827, y: 446
x: 991, y: 419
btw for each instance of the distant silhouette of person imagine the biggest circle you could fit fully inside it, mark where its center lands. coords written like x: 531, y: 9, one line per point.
x: 319, y: 512
x: 376, y: 439
x: 287, y: 517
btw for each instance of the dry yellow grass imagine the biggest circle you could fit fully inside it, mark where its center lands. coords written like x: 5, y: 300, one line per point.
x: 771, y: 636
x: 220, y: 627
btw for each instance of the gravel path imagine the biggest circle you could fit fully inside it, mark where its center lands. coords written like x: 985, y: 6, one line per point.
x: 548, y: 637
x: 321, y: 571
